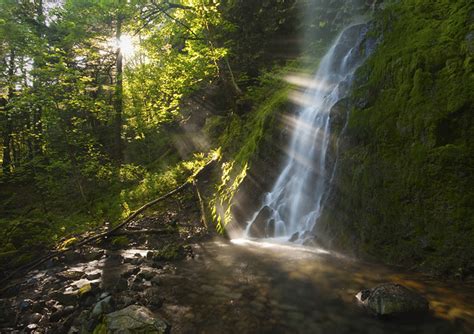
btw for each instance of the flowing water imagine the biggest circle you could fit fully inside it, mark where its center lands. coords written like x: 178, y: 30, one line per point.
x: 296, y: 200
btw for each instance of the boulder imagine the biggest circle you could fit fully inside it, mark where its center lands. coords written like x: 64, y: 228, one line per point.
x: 392, y: 299
x: 134, y: 319
x: 258, y: 228
x: 294, y: 237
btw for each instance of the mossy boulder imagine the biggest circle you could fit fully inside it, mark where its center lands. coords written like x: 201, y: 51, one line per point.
x: 170, y: 252
x: 392, y: 299
x: 132, y: 319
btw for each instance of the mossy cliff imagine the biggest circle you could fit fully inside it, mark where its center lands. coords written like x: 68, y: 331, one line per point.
x: 404, y: 187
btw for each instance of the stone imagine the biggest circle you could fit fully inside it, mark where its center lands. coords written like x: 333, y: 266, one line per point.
x: 152, y: 298
x: 93, y: 255
x: 259, y: 225
x: 72, y: 257
x: 122, y: 284
x: 135, y: 319
x: 25, y: 304
x: 7, y: 313
x: 61, y: 313
x: 35, y: 318
x: 70, y: 275
x: 294, y: 237
x: 155, y: 281
x: 102, y: 307
x: 270, y: 229
x: 88, y: 301
x: 32, y: 327
x: 93, y: 276
x: 146, y: 274
x: 130, y: 272
x: 137, y: 284
x: 392, y: 299
x: 64, y: 298
x: 84, y: 290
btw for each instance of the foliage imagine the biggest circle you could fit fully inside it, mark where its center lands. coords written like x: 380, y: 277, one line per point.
x: 243, y: 137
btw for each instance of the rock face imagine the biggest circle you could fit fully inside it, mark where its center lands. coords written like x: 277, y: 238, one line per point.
x: 135, y: 319
x: 392, y: 299
x: 259, y: 228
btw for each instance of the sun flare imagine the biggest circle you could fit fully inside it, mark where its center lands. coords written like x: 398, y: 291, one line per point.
x: 126, y: 45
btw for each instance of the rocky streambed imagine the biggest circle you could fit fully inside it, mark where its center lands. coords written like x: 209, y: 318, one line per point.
x: 218, y: 286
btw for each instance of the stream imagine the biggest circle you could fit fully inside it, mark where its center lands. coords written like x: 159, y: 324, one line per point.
x: 249, y: 287
x: 262, y: 287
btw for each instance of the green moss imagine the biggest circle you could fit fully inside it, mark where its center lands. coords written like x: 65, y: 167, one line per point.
x: 407, y: 175
x: 120, y: 242
x: 170, y: 252
x: 240, y: 143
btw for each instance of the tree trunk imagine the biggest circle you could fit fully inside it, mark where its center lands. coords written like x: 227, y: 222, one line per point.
x: 118, y: 102
x: 36, y: 125
x: 7, y: 134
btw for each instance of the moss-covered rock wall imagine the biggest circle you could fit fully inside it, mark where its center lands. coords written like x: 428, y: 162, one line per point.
x: 404, y: 187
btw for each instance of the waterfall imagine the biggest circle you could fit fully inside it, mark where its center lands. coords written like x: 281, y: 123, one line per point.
x: 295, y: 202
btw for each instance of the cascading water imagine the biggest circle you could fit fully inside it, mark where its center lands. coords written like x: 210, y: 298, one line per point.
x: 294, y: 205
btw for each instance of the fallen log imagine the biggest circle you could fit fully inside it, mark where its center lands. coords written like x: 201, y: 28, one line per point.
x: 147, y: 231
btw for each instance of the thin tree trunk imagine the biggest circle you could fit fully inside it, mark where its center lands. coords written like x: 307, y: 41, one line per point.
x: 36, y: 125
x: 7, y: 135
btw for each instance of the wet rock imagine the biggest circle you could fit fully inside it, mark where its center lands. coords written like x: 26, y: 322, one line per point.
x: 122, y: 284
x: 130, y: 272
x: 70, y: 275
x: 125, y: 301
x: 93, y: 276
x: 93, y: 255
x: 137, y: 284
x: 259, y: 225
x: 146, y: 274
x: 7, y: 314
x: 35, y: 318
x: 72, y: 257
x: 294, y: 237
x: 102, y: 307
x: 133, y: 319
x: 311, y: 241
x: 32, y: 327
x: 11, y: 291
x: 392, y: 299
x: 88, y: 301
x: 270, y: 229
x: 61, y: 313
x: 25, y: 304
x: 152, y: 298
x: 155, y: 281
x: 64, y: 298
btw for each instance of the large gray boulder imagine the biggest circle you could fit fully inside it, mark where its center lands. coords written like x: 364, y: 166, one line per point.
x: 392, y: 299
x: 134, y: 319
